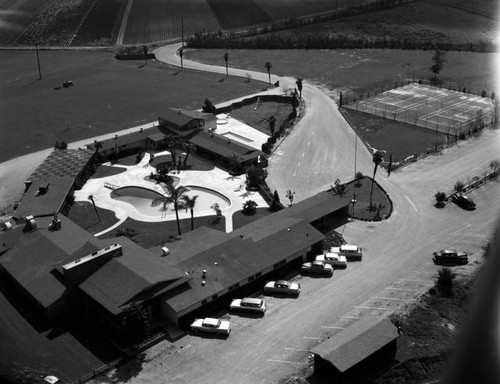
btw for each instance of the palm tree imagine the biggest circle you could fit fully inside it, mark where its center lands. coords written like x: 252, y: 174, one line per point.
x: 189, y: 203
x: 174, y: 142
x: 190, y: 147
x: 377, y: 158
x: 494, y: 165
x: 299, y: 86
x: 181, y: 54
x: 174, y: 196
x: 226, y: 58
x: 268, y: 66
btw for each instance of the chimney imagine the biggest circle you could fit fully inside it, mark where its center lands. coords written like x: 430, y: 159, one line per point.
x: 165, y: 251
x: 7, y: 226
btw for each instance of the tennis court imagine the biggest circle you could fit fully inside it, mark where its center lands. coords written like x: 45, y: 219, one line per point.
x: 439, y: 109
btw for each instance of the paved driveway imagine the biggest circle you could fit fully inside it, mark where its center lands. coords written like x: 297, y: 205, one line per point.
x: 396, y: 266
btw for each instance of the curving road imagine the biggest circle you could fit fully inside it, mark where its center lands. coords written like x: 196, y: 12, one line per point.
x: 396, y: 266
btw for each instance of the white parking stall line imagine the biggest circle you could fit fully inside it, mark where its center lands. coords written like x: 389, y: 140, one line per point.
x: 284, y: 361
x: 350, y: 317
x: 413, y: 205
x: 461, y: 229
x: 366, y: 307
x: 303, y: 153
x: 297, y: 349
x: 386, y: 298
x: 310, y: 337
x: 332, y: 326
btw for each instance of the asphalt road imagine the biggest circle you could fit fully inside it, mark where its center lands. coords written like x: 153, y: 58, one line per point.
x: 396, y: 266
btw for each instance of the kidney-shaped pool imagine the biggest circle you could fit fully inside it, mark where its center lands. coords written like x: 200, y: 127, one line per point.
x: 142, y: 200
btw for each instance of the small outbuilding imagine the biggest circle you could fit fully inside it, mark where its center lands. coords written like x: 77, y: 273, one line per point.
x: 356, y: 353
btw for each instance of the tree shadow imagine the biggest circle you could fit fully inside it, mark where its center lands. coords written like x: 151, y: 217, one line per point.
x: 130, y: 369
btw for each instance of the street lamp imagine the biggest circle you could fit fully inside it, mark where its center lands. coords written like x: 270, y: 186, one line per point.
x: 353, y: 202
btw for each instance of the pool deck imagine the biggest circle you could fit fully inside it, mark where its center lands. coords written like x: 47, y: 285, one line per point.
x: 218, y: 180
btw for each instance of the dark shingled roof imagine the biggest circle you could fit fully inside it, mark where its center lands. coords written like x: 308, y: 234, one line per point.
x: 157, y: 137
x: 30, y: 263
x: 355, y: 343
x: 316, y: 206
x: 137, y: 274
x: 44, y: 204
x: 226, y: 148
x: 239, y: 257
x: 62, y: 163
x: 125, y: 139
x: 181, y: 117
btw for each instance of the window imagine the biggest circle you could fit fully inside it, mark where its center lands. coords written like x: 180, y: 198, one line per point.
x: 276, y: 265
x: 251, y: 278
x: 215, y: 296
x: 257, y: 275
x: 203, y: 302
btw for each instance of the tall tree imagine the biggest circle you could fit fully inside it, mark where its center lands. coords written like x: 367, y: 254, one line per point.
x: 174, y: 196
x: 299, y: 86
x: 439, y: 58
x: 377, y: 158
x: 181, y: 55
x: 189, y: 203
x: 226, y: 59
x: 189, y: 147
x: 268, y: 66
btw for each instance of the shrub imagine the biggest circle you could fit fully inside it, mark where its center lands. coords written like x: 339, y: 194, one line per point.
x: 459, y: 186
x: 440, y: 198
x: 249, y: 207
x: 444, y: 280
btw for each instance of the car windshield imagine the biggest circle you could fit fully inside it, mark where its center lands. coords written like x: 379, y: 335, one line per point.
x: 283, y: 284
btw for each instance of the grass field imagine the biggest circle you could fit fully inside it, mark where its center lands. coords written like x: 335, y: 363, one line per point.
x: 108, y: 95
x: 438, y: 109
x: 362, y: 70
x: 396, y: 138
x: 258, y: 118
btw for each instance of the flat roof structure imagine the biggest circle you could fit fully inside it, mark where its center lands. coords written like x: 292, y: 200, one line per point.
x: 180, y: 117
x: 357, y: 342
x: 43, y: 204
x: 224, y: 147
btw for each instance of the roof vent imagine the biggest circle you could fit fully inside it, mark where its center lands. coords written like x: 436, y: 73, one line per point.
x: 178, y: 111
x: 55, y: 225
x: 203, y: 283
x: 165, y: 251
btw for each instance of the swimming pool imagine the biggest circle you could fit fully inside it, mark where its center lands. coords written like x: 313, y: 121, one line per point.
x: 142, y: 200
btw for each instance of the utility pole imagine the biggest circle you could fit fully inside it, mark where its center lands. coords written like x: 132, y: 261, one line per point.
x: 182, y: 31
x: 38, y: 61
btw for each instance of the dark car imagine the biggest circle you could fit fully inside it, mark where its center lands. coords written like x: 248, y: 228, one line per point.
x: 450, y: 256
x: 464, y: 202
x: 317, y: 268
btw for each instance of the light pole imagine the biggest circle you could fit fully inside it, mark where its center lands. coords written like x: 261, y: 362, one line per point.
x: 353, y: 202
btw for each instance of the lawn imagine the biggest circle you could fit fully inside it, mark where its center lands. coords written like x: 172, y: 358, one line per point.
x: 83, y: 214
x: 364, y: 70
x: 240, y: 219
x: 108, y: 95
x: 397, y: 138
x: 258, y: 118
x: 382, y: 205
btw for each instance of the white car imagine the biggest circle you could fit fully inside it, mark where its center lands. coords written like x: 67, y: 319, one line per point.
x: 351, y: 252
x: 282, y: 286
x: 335, y: 260
x: 249, y: 304
x: 317, y: 268
x: 211, y: 325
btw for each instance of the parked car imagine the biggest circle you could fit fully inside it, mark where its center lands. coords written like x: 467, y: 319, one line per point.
x: 282, y: 286
x: 450, y: 256
x: 317, y: 268
x: 463, y: 202
x: 249, y: 304
x: 351, y: 252
x: 334, y: 259
x: 211, y: 325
